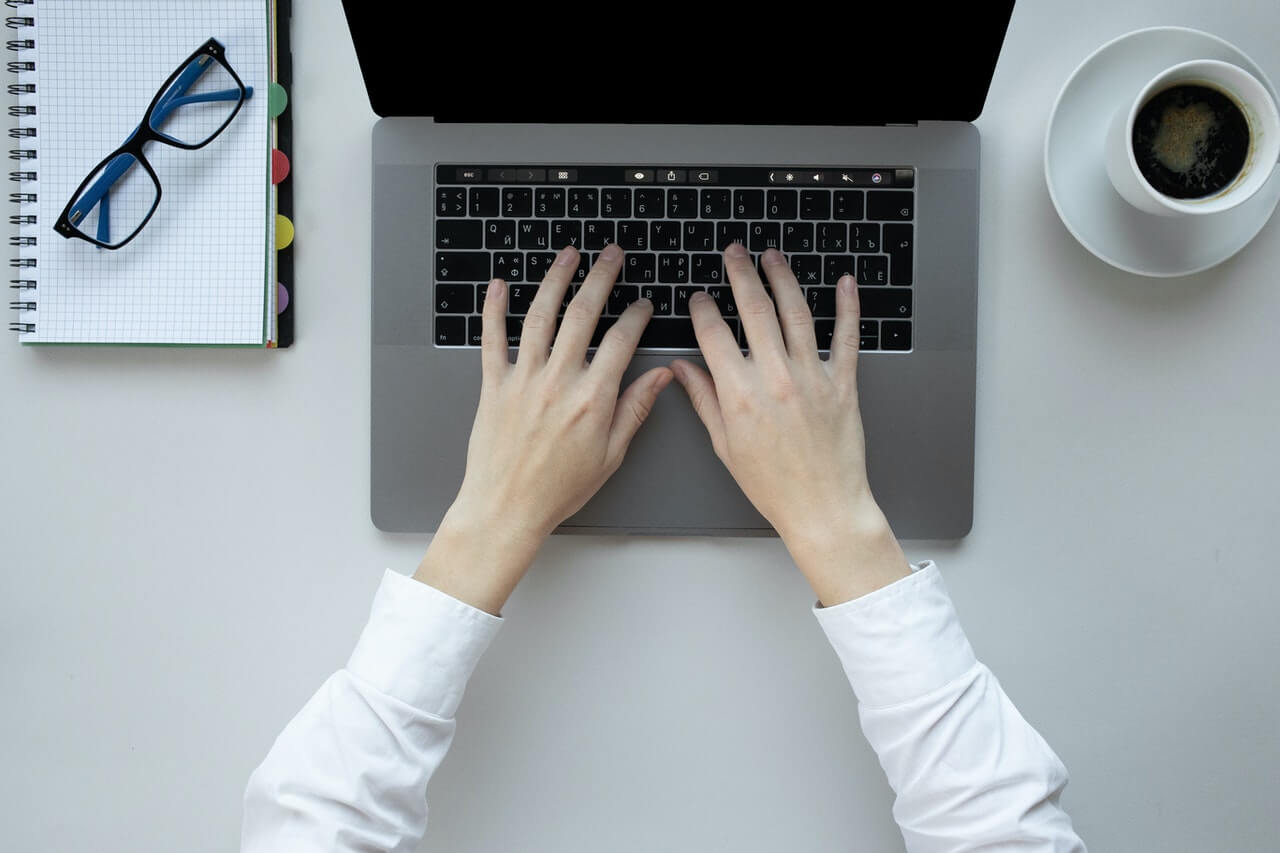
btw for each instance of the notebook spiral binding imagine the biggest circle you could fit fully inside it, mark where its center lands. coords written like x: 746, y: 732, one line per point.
x: 25, y: 290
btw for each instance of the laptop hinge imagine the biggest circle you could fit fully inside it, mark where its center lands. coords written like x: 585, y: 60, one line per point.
x: 900, y: 124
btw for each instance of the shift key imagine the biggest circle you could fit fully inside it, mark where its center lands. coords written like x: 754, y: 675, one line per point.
x: 883, y: 302
x: 462, y: 266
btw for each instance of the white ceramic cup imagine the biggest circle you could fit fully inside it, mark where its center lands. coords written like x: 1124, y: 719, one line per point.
x: 1264, y: 139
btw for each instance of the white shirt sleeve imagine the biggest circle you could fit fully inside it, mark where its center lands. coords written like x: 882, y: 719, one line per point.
x: 350, y: 771
x: 968, y: 771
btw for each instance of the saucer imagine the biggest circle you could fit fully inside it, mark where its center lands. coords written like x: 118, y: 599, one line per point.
x: 1094, y: 213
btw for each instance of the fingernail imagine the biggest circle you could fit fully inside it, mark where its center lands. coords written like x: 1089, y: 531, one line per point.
x: 568, y: 257
x: 774, y: 257
x: 846, y: 284
x: 698, y: 297
x: 495, y: 288
x: 644, y: 303
x: 611, y: 252
x: 736, y: 250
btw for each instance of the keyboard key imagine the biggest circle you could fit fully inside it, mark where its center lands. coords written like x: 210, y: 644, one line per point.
x: 584, y: 267
x: 451, y: 201
x: 824, y: 330
x: 833, y: 237
x: 864, y: 238
x: 566, y: 232
x: 615, y: 203
x: 536, y: 265
x: 682, y: 204
x: 782, y: 204
x: 822, y: 301
x: 890, y: 204
x: 584, y: 202
x: 517, y: 202
x: 549, y: 201
x: 885, y: 302
x: 664, y: 236
x: 650, y: 203
x: 455, y: 298
x: 671, y: 333
x: 508, y: 266
x: 714, y: 204
x: 597, y: 234
x: 873, y: 269
x: 730, y: 232
x: 514, y: 326
x: 765, y: 235
x: 531, y: 234
x: 475, y: 327
x: 640, y: 267
x: 484, y: 202
x: 500, y: 234
x: 699, y: 236
x: 900, y: 244
x: 835, y: 266
x: 520, y: 297
x: 808, y: 269
x: 797, y: 237
x: 848, y: 204
x: 707, y: 269
x: 660, y: 296
x: 682, y: 299
x: 815, y: 204
x: 462, y: 266
x: 633, y: 236
x: 451, y: 331
x: 621, y: 296
x: 895, y: 335
x: 748, y: 204
x: 459, y: 234
x: 869, y: 327
x: 867, y: 342
x: 724, y: 300
x: 673, y: 269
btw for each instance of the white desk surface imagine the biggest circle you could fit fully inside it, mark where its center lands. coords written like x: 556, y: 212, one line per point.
x: 187, y: 552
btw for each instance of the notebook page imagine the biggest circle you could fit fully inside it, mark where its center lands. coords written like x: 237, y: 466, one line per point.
x: 198, y: 271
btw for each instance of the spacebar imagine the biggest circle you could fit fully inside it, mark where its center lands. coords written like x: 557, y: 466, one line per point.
x: 671, y: 333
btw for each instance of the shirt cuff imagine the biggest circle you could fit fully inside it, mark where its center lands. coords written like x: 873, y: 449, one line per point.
x: 900, y: 642
x: 421, y: 645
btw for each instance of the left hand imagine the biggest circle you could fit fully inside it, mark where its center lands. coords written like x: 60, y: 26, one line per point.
x: 549, y: 430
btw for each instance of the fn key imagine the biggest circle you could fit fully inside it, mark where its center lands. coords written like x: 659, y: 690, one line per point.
x: 451, y: 331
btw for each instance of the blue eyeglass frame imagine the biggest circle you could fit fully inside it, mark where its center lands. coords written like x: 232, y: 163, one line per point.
x: 171, y: 95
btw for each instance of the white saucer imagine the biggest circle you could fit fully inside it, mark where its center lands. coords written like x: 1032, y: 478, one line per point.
x: 1103, y: 222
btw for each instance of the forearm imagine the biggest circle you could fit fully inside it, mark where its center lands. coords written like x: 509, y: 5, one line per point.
x: 969, y: 772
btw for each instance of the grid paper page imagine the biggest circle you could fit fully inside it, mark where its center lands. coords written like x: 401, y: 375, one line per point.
x: 197, y: 273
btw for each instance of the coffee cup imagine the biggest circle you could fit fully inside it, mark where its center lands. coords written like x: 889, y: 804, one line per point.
x: 1201, y: 137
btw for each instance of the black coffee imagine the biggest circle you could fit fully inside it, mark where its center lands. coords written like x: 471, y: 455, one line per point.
x: 1190, y: 141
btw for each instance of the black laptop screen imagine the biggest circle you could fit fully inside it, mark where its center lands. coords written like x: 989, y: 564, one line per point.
x: 871, y: 62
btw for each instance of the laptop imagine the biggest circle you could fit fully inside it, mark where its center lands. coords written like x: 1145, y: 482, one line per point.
x: 844, y: 140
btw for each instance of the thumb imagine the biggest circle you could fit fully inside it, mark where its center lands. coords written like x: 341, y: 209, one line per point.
x: 701, y: 389
x: 633, y: 407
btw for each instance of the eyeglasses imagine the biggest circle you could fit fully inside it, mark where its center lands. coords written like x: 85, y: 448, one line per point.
x: 120, y: 195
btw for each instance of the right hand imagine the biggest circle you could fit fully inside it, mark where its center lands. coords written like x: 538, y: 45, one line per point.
x: 786, y: 424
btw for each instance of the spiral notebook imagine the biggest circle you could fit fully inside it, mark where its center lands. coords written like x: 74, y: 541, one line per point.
x: 205, y: 268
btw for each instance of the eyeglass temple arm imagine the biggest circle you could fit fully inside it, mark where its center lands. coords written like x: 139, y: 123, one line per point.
x: 173, y: 98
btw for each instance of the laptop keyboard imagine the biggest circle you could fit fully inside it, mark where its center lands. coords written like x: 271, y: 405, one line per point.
x: 672, y: 222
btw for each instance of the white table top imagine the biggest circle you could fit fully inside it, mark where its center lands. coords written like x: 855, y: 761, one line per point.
x: 187, y: 552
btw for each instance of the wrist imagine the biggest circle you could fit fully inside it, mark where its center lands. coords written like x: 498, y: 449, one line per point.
x: 478, y: 557
x: 848, y: 555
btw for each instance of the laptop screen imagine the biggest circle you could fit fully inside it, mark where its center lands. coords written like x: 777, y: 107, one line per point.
x: 894, y: 61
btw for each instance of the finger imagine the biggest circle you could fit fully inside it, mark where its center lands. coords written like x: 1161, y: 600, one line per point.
x: 583, y: 313
x: 633, y: 407
x: 540, y: 322
x: 755, y: 308
x: 793, y: 311
x: 847, y: 335
x: 494, y: 359
x: 719, y: 346
x: 701, y: 389
x: 619, y: 343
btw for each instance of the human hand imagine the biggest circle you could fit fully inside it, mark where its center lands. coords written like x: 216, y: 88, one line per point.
x: 549, y: 430
x: 787, y: 426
